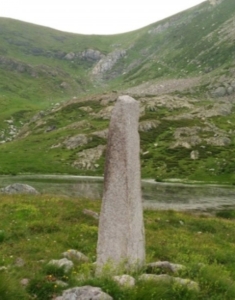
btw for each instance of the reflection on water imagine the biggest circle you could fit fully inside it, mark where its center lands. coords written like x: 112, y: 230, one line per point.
x: 155, y: 195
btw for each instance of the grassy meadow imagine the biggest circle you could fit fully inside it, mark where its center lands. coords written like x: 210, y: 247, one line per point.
x: 36, y: 229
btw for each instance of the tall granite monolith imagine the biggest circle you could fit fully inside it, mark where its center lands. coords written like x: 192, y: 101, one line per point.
x: 121, y: 239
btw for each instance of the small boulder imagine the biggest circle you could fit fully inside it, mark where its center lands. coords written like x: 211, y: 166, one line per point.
x: 194, y: 154
x: 75, y: 255
x: 219, y: 92
x: 84, y: 293
x: 64, y: 263
x: 166, y: 265
x: 19, y: 188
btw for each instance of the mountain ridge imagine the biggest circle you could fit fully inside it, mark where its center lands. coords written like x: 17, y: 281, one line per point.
x: 59, y: 89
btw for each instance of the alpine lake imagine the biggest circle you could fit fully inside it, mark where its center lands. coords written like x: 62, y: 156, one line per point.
x: 156, y: 195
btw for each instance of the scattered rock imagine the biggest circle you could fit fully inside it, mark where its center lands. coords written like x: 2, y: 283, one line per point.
x: 166, y: 265
x: 219, y: 92
x: 24, y: 282
x: 92, y: 55
x: 75, y: 255
x: 194, y: 154
x: 64, y: 263
x: 218, y: 141
x: 102, y: 134
x: 125, y: 280
x: 86, y: 108
x: 76, y: 141
x: 64, y: 85
x: 88, y: 212
x: 104, y: 113
x: 84, y: 293
x: 70, y: 56
x: 19, y: 188
x: 87, y: 158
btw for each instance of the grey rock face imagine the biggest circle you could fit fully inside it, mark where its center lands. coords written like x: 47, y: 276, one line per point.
x: 87, y: 159
x: 84, y: 293
x: 121, y: 230
x: 19, y: 188
x: 92, y: 55
x: 107, y: 62
x: 76, y: 141
x: 219, y: 92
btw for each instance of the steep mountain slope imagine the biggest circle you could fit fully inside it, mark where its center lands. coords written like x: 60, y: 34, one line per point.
x: 57, y: 91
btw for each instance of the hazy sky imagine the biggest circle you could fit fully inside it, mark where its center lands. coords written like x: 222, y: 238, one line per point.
x: 93, y: 16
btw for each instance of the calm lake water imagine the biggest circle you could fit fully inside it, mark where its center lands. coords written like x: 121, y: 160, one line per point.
x: 155, y: 195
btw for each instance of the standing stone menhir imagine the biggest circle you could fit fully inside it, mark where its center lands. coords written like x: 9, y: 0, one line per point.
x: 121, y: 240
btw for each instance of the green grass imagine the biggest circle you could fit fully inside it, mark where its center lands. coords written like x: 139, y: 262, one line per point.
x: 32, y: 69
x: 39, y: 228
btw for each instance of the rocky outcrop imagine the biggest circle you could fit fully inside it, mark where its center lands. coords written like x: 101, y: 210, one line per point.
x: 168, y: 101
x: 13, y: 65
x: 76, y: 141
x: 87, y: 158
x: 102, y: 133
x: 104, y: 113
x: 92, y: 55
x: 187, y: 137
x: 107, y: 62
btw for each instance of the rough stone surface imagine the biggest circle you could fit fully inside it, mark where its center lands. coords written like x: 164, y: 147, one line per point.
x: 84, y: 293
x: 75, y: 255
x: 19, y: 188
x: 76, y: 141
x: 194, y: 154
x: 107, y: 62
x: 121, y: 229
x: 62, y: 263
x: 87, y: 158
x: 219, y: 92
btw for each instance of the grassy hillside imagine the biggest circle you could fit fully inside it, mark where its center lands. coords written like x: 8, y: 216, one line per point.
x: 37, y: 229
x: 55, y: 86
